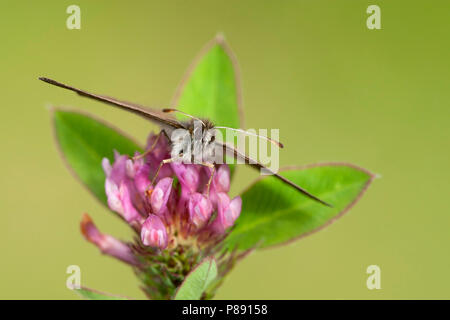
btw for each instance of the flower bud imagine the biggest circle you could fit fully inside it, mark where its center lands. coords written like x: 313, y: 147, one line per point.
x: 139, y: 172
x: 188, y: 175
x: 119, y: 200
x: 118, y: 171
x: 160, y: 152
x: 160, y: 195
x: 221, y: 180
x: 200, y: 209
x: 154, y: 232
x: 106, y: 243
x: 106, y: 165
x: 119, y: 187
x: 131, y: 166
x: 227, y: 212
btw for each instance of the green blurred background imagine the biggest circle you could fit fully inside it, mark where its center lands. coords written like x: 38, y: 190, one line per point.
x: 336, y: 90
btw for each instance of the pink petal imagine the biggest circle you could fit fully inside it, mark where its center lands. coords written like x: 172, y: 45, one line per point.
x: 129, y: 211
x: 107, y: 168
x: 188, y: 175
x: 200, y: 209
x: 113, y: 195
x: 221, y: 180
x: 233, y: 212
x: 227, y: 212
x: 160, y: 195
x: 106, y: 243
x: 154, y: 232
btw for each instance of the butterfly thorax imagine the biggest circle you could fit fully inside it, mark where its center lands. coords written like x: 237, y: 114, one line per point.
x: 193, y: 123
x: 194, y: 143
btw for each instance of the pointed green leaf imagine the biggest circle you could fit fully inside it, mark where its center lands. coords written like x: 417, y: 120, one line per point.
x: 91, y: 294
x: 197, y: 281
x: 84, y: 142
x: 211, y: 87
x: 274, y: 213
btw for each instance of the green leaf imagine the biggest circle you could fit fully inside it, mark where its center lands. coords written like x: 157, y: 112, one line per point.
x: 197, y: 281
x: 211, y: 87
x: 274, y: 213
x: 84, y: 142
x: 90, y: 294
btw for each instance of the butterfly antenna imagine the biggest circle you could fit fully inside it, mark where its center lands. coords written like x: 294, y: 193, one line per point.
x: 170, y: 110
x: 277, y: 143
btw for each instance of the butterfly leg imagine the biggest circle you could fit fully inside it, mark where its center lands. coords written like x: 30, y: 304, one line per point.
x: 209, y: 165
x: 151, y: 148
x: 208, y: 185
x: 159, y: 168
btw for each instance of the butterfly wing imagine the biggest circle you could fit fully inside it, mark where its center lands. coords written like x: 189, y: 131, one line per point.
x: 154, y: 116
x: 231, y: 151
x: 173, y: 124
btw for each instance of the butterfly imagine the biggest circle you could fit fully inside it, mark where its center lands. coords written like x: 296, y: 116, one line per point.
x: 206, y: 138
